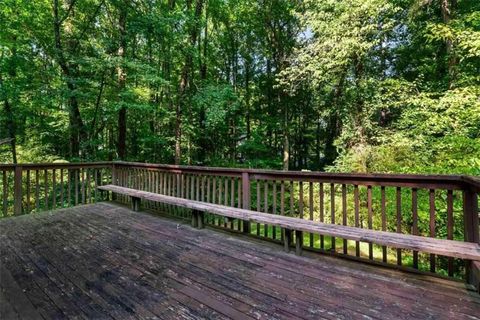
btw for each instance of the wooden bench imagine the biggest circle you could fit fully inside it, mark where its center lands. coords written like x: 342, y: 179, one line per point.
x: 448, y: 248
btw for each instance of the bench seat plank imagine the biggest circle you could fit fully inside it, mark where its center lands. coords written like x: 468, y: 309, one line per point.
x: 449, y: 248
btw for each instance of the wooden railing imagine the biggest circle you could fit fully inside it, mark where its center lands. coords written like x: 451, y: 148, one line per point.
x: 426, y: 205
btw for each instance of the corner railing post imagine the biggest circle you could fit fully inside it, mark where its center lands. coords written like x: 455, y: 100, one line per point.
x: 17, y: 189
x: 246, y: 199
x: 471, y: 231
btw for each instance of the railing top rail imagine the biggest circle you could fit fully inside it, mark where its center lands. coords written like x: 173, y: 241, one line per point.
x: 394, y: 180
x: 401, y: 180
x: 59, y: 165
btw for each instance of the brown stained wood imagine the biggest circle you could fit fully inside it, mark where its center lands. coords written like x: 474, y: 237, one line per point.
x: 265, y: 206
x: 214, y: 190
x: 62, y: 187
x: 274, y: 207
x: 54, y: 189
x: 37, y: 190
x: 4, y: 193
x: 18, y: 190
x: 239, y: 193
x: 457, y: 249
x: 399, y: 221
x: 141, y: 266
x: 384, y: 220
x: 28, y: 190
x: 357, y: 217
x: 259, y: 208
x: 332, y: 212
x: 88, y: 174
x: 292, y: 204
x: 432, y: 225
x: 370, y: 219
x: 415, y: 224
x: 450, y: 224
x: 45, y: 182
x: 209, y: 185
x: 82, y: 185
x: 322, y: 210
x: 76, y: 174
x: 344, y: 215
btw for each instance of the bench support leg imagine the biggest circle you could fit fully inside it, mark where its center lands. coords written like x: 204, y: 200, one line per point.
x: 298, y: 242
x: 287, y: 239
x: 135, y: 204
x: 200, y: 219
x: 246, y: 226
x: 194, y: 218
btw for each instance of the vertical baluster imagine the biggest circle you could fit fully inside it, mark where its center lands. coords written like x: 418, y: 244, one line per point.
x: 258, y: 205
x: 310, y: 208
x: 77, y: 173
x: 274, y: 209
x: 69, y: 191
x: 232, y: 200
x: 239, y: 194
x: 95, y: 181
x: 299, y: 239
x: 54, y: 189
x: 282, y: 202
x: 17, y: 190
x: 37, y: 190
x: 292, y: 204
x: 450, y: 227
x: 5, y: 193
x: 322, y: 210
x: 89, y: 186
x: 432, y: 225
x: 197, y: 191
x: 265, y: 206
x: 82, y: 185
x: 332, y: 212
x: 357, y: 217
x: 220, y: 193
x: 344, y: 215
x: 62, y: 188
x: 370, y: 219
x: 209, y: 186
x: 214, y: 190
x: 384, y: 221
x: 225, y: 200
x: 45, y: 177
x: 414, y: 224
x: 28, y: 191
x: 399, y: 222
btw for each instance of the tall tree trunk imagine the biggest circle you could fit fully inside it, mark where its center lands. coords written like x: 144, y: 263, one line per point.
x: 122, y: 77
x: 77, y: 128
x: 185, y: 80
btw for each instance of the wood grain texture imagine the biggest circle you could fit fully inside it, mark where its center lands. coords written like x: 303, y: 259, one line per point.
x: 449, y: 248
x: 102, y: 261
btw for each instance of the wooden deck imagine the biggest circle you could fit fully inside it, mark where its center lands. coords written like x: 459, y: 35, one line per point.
x: 103, y: 261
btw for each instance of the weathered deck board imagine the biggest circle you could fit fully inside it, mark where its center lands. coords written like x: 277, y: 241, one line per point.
x: 106, y: 262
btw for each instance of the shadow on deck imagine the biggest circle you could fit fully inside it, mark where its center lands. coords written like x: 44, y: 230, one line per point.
x: 103, y: 261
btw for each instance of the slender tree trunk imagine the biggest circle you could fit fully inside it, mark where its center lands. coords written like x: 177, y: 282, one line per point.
x: 185, y: 80
x: 77, y: 128
x: 121, y: 75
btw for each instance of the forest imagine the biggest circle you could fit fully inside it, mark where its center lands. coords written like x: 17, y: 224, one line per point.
x: 333, y: 85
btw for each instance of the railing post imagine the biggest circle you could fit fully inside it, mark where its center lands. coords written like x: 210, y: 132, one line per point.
x: 246, y: 199
x: 114, y: 180
x: 471, y: 231
x: 17, y: 191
